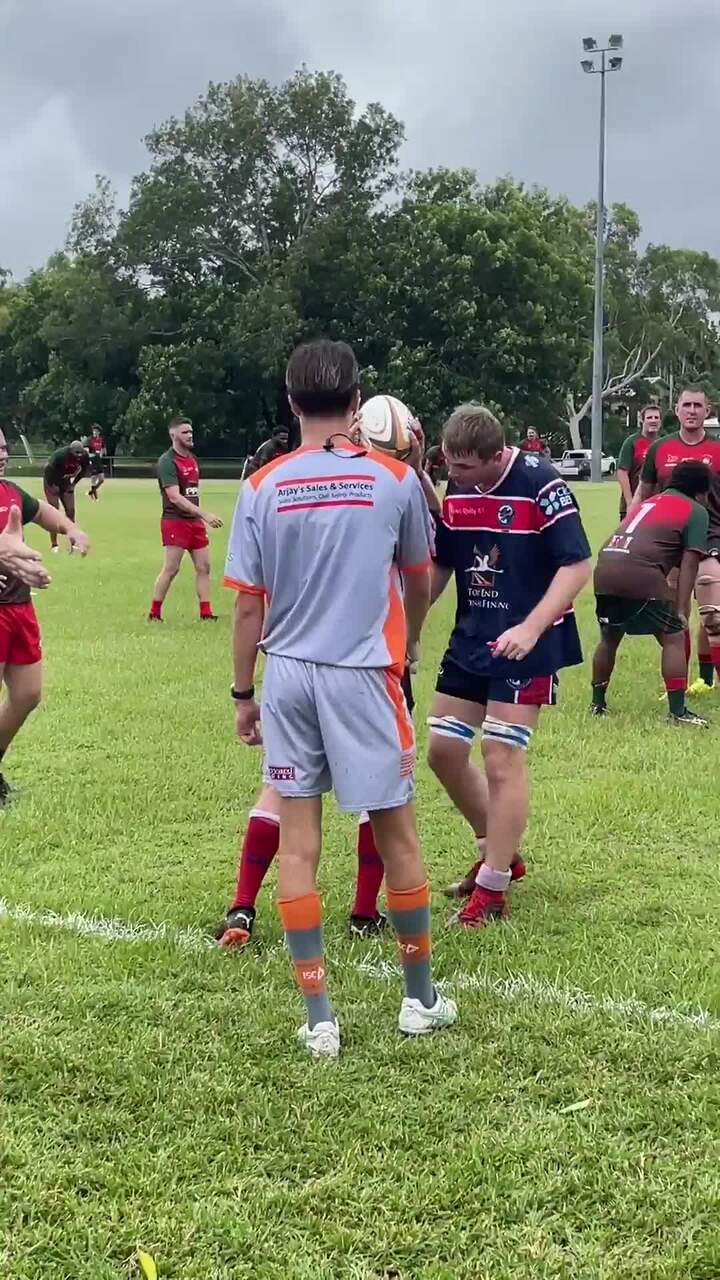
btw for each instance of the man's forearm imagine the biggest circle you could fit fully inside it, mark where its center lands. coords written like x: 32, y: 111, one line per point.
x: 439, y: 578
x: 188, y: 508
x: 624, y: 482
x: 430, y: 492
x: 565, y: 586
x: 642, y: 493
x: 52, y: 520
x: 247, y: 632
x: 416, y: 588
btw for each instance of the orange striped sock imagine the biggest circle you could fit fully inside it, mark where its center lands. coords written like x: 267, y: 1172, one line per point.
x: 302, y: 922
x: 410, y: 914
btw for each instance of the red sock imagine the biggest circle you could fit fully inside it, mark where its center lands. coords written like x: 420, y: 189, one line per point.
x: 715, y: 656
x: 370, y: 872
x: 156, y: 609
x: 259, y: 847
x: 205, y: 609
x: 688, y: 646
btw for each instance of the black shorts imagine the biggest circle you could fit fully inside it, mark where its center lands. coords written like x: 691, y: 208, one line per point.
x: 455, y: 682
x: 621, y: 615
x: 408, y: 690
x: 96, y: 465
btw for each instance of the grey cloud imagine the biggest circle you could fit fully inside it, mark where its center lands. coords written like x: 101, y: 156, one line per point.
x: 477, y: 82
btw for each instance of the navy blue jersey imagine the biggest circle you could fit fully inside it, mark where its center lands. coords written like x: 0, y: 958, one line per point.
x: 505, y: 547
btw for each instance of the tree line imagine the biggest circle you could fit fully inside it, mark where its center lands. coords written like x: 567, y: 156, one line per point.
x: 271, y: 214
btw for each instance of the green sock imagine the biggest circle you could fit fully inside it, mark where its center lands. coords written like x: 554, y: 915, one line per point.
x: 676, y: 702
x: 707, y: 671
x: 598, y: 695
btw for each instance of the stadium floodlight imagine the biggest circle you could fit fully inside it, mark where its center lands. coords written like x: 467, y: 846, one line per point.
x: 607, y: 65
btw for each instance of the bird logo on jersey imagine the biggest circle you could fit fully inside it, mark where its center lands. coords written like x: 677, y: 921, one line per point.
x: 482, y: 571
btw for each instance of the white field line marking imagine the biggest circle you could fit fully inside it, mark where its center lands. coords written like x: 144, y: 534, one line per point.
x: 517, y: 987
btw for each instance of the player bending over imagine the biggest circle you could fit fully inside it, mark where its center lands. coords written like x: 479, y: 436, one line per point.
x: 691, y: 444
x: 184, y: 525
x: 511, y: 534
x: 323, y: 525
x: 20, y: 647
x: 666, y: 533
x: 64, y: 469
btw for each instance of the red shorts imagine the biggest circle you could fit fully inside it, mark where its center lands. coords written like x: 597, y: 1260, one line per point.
x: 19, y: 635
x: 191, y: 535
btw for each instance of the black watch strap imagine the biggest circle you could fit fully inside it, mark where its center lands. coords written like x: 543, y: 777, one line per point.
x: 242, y: 695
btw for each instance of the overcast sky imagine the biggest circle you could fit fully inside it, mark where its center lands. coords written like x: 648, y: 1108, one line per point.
x: 494, y: 84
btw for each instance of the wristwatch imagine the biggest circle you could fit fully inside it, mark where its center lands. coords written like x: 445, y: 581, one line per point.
x: 244, y: 695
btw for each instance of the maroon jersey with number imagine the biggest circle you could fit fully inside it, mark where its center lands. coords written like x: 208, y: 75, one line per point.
x: 665, y: 455
x: 632, y: 459
x: 651, y: 542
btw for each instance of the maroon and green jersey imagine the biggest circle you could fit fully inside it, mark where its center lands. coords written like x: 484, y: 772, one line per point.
x: 179, y: 469
x: 665, y: 455
x: 632, y: 459
x: 650, y: 542
x: 12, y: 590
x: 64, y: 468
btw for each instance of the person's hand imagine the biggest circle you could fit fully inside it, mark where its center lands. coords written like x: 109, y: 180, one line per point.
x: 78, y: 540
x: 413, y: 656
x: 515, y: 643
x: 414, y: 455
x: 684, y: 620
x: 416, y: 427
x: 356, y: 433
x: 214, y: 522
x: 17, y: 558
x: 247, y: 723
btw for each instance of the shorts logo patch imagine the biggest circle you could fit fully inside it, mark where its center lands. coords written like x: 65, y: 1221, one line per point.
x: 281, y: 773
x: 518, y: 684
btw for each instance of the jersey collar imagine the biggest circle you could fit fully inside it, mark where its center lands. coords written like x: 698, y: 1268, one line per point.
x: 702, y: 439
x: 514, y: 452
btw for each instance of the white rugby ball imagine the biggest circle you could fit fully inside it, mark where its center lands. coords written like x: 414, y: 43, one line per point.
x: 386, y: 425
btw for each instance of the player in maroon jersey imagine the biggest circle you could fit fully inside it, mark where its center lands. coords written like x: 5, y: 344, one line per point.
x: 20, y: 647
x: 688, y: 444
x: 533, y: 443
x: 95, y: 445
x: 63, y: 471
x: 666, y: 534
x: 184, y: 524
x: 633, y: 454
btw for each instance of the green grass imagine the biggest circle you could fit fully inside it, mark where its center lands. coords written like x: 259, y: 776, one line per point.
x: 154, y: 1095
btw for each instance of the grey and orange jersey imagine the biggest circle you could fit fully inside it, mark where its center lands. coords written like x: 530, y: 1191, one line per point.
x: 325, y: 537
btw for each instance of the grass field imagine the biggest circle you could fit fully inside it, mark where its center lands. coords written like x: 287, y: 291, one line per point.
x: 151, y: 1090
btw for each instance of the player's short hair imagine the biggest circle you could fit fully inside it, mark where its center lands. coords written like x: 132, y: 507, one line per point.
x: 647, y: 408
x: 691, y: 478
x: 694, y: 389
x: 179, y: 421
x: 471, y: 428
x: 322, y: 378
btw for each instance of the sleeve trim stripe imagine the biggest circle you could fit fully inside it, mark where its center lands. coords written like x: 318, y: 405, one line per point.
x: 571, y: 511
x: 247, y: 588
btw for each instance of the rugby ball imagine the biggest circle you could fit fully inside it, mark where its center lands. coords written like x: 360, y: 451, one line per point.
x: 386, y: 425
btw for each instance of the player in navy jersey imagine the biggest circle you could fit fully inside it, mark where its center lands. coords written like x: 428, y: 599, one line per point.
x: 511, y: 534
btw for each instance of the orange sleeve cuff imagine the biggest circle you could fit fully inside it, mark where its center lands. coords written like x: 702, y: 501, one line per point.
x: 246, y: 587
x: 416, y: 568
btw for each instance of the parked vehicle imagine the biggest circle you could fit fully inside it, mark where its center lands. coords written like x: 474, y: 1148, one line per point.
x: 575, y: 464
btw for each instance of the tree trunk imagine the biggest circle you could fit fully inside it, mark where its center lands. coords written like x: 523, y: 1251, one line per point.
x: 574, y: 429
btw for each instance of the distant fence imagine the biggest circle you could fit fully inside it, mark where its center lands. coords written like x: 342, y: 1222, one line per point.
x: 134, y: 468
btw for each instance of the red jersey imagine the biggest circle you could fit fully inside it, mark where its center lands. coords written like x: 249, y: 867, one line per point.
x: 96, y: 443
x: 665, y: 455
x: 533, y: 446
x: 181, y: 470
x: 632, y: 459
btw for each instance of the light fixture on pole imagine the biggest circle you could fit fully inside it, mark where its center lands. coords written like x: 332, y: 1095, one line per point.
x: 590, y: 45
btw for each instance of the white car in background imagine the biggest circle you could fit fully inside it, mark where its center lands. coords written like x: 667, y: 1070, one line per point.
x: 575, y: 464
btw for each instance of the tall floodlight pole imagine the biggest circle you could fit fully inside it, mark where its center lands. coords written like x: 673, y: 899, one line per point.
x: 607, y: 64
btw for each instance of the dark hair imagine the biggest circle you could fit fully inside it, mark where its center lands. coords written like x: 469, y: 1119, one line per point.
x: 322, y: 378
x: 179, y: 421
x: 473, y: 429
x: 694, y: 389
x: 690, y: 478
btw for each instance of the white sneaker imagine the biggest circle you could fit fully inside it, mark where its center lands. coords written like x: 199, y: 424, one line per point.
x: 55, y: 550
x: 416, y: 1020
x: 323, y: 1041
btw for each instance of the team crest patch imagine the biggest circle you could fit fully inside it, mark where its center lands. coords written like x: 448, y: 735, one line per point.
x: 518, y: 684
x: 506, y: 515
x: 281, y: 773
x: 531, y: 460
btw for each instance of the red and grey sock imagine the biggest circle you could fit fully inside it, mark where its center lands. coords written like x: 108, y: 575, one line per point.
x: 156, y: 609
x: 259, y: 847
x: 370, y: 871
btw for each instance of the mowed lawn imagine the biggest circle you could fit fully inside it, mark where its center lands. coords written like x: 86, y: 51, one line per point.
x: 152, y: 1093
